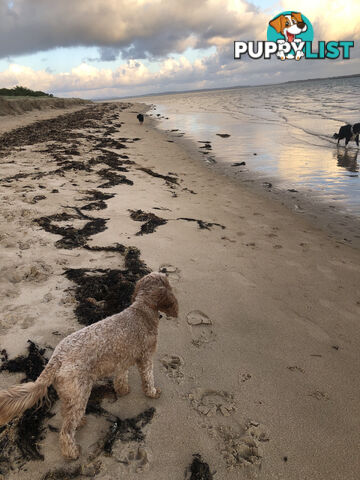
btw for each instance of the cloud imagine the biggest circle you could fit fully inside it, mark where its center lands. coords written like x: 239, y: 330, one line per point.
x: 151, y: 28
x: 108, y: 54
x: 133, y: 77
x: 156, y: 30
x: 331, y: 19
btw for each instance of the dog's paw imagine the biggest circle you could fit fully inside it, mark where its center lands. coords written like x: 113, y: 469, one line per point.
x: 122, y: 392
x: 154, y: 393
x: 72, y: 453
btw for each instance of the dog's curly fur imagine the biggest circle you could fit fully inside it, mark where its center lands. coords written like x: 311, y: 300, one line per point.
x: 105, y: 348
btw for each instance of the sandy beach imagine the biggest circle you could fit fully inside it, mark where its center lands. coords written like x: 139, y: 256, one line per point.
x: 259, y: 374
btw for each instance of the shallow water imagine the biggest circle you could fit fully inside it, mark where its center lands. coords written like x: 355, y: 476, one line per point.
x: 280, y: 131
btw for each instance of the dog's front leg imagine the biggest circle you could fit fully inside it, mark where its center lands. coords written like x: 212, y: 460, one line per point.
x: 121, y: 384
x: 357, y: 140
x: 145, y: 366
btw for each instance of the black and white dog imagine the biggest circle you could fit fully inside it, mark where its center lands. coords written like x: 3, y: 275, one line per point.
x: 349, y: 132
x: 140, y: 117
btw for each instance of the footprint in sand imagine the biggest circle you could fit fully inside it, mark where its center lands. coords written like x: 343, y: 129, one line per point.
x: 197, y: 317
x: 16, y: 316
x: 212, y: 402
x: 173, y: 365
x: 37, y: 273
x: 171, y: 271
x: 319, y: 395
x: 244, y: 377
x: 200, y: 325
x: 241, y: 446
x: 295, y: 368
x: 133, y: 457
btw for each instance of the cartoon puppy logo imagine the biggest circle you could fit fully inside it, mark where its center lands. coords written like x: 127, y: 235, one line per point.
x: 289, y: 25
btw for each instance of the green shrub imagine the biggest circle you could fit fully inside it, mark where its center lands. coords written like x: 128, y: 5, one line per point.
x: 19, y: 91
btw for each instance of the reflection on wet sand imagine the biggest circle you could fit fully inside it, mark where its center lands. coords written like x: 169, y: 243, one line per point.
x: 347, y: 159
x: 288, y: 142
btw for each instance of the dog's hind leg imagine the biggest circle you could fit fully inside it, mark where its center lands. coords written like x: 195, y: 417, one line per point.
x: 74, y: 395
x: 357, y: 140
x: 121, y: 383
x: 145, y: 366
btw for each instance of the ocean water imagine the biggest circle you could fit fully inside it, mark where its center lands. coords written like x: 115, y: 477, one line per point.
x: 282, y: 132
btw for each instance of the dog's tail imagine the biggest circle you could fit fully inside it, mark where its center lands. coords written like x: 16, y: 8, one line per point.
x: 19, y: 398
x: 336, y: 135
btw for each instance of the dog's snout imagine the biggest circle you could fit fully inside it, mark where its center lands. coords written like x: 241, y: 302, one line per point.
x: 301, y: 25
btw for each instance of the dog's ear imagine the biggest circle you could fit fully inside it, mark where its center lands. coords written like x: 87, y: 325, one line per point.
x: 278, y: 23
x: 297, y: 16
x: 168, y: 303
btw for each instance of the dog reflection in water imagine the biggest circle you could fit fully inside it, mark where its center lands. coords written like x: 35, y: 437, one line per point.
x: 347, y: 159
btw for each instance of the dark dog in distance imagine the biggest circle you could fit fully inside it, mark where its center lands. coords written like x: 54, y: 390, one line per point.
x: 349, y: 132
x: 140, y: 117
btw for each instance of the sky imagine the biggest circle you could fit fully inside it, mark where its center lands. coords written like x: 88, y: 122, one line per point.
x: 116, y: 48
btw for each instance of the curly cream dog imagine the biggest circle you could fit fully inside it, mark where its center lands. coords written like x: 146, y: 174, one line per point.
x: 104, y: 348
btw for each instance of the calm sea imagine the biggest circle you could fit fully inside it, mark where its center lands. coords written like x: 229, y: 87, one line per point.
x: 283, y: 132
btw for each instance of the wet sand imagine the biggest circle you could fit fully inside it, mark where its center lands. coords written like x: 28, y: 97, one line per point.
x: 259, y: 373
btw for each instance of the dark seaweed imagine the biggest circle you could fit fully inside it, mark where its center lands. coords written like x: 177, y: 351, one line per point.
x: 199, y: 469
x: 97, y: 200
x: 94, y: 195
x: 101, y: 293
x: 167, y: 178
x: 54, y: 129
x: 63, y: 473
x: 112, y: 178
x: 100, y: 205
x: 37, y: 198
x: 32, y: 364
x: 72, y: 237
x: 98, y: 393
x: 23, y: 435
x: 201, y: 223
x: 151, y: 220
x: 128, y: 430
x: 110, y: 143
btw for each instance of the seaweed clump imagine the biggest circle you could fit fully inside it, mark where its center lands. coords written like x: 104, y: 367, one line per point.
x: 128, y: 430
x: 104, y: 292
x: 112, y: 178
x: 71, y: 237
x: 203, y: 225
x: 19, y: 439
x: 151, y: 220
x: 168, y: 179
x: 199, y: 469
x: 97, y: 200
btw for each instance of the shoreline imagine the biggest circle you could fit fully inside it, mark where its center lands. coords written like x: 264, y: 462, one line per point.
x: 335, y: 220
x: 261, y: 363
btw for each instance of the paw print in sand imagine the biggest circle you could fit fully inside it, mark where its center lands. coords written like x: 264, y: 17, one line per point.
x: 212, y: 402
x: 201, y: 328
x: 173, y: 365
x: 171, y: 271
x: 242, y: 447
x: 133, y: 457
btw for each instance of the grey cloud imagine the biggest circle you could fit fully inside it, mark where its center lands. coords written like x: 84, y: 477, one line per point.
x: 152, y: 29
x: 108, y: 54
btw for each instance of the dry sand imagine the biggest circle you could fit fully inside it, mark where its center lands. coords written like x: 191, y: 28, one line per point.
x: 259, y: 373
